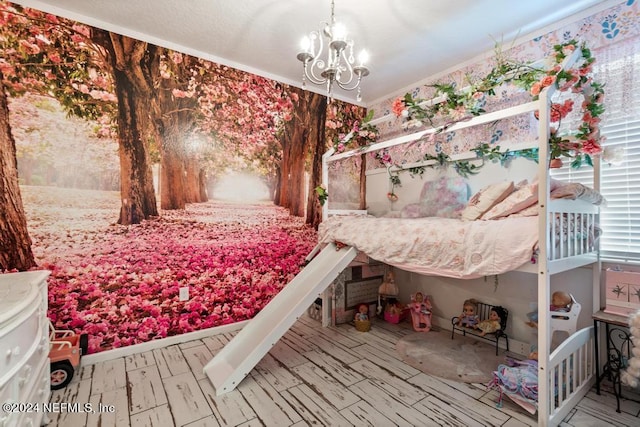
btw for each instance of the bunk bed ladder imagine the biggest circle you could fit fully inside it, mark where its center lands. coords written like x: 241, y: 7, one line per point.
x: 236, y: 359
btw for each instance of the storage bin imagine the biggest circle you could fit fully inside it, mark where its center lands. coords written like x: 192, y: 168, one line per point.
x: 363, y: 325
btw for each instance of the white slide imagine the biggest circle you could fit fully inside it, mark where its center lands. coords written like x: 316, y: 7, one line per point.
x: 236, y: 359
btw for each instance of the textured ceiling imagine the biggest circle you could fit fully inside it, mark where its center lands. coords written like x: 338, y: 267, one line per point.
x: 408, y: 40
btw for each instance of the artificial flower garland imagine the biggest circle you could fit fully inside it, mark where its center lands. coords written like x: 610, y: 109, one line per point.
x: 462, y: 104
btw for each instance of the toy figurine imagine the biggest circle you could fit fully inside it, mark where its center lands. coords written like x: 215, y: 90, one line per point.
x: 469, y: 317
x: 362, y: 313
x: 421, y: 312
x: 493, y: 323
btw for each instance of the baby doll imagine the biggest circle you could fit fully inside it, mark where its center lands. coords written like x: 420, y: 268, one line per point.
x: 421, y: 312
x: 560, y: 301
x: 492, y: 324
x: 468, y: 318
x: 362, y: 313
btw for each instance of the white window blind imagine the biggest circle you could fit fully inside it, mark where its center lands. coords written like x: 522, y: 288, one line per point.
x: 618, y: 67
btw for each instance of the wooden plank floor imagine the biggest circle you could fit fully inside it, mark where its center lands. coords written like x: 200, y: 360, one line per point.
x: 313, y: 376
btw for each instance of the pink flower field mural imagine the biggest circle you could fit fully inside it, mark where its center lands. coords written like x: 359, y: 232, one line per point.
x: 120, y: 284
x: 110, y: 163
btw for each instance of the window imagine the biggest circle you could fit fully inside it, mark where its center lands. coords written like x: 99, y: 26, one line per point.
x: 618, y: 67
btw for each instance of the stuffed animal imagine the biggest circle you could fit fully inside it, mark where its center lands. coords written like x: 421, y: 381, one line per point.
x: 631, y: 375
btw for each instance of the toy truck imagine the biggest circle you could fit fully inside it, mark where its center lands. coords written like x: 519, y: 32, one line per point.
x: 65, y: 349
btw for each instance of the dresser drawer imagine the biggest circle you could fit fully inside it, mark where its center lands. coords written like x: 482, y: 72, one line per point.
x: 29, y: 377
x: 17, y: 339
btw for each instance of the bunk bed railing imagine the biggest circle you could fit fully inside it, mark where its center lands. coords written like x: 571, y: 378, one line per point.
x: 570, y: 375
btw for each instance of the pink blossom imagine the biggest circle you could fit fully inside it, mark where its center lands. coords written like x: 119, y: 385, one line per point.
x: 547, y: 81
x: 590, y: 146
x: 398, y: 107
x: 536, y: 88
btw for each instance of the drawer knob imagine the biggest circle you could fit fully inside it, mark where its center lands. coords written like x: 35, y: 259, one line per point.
x: 14, y: 352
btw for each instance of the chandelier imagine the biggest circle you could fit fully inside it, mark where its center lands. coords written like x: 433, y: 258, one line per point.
x: 338, y: 65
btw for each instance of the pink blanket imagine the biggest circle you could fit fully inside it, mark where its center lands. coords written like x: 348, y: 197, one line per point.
x: 438, y: 246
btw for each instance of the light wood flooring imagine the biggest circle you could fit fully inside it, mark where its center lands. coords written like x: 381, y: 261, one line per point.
x: 313, y: 376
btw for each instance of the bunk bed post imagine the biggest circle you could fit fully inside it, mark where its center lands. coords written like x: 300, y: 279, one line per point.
x: 544, y: 288
x: 597, y: 266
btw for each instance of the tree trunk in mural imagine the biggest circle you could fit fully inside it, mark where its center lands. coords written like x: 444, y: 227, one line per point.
x: 15, y: 251
x: 317, y: 114
x: 274, y: 187
x: 299, y: 134
x: 202, y: 185
x: 192, y: 181
x: 129, y: 61
x: 295, y: 185
x: 171, y: 172
x: 174, y: 124
x: 363, y: 182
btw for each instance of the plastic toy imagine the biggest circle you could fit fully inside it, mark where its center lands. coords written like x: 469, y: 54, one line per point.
x: 65, y: 349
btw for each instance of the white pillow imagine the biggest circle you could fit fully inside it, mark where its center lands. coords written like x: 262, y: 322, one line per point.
x: 485, y: 199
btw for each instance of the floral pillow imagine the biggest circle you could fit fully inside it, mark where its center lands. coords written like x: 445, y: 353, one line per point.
x: 575, y: 190
x: 520, y: 199
x: 485, y: 199
x: 444, y: 197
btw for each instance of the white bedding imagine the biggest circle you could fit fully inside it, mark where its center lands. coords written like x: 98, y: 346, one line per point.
x: 438, y: 246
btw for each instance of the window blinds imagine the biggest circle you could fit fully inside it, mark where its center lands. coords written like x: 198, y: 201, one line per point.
x: 618, y: 67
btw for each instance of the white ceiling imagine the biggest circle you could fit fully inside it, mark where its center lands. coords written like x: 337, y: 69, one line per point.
x: 408, y: 40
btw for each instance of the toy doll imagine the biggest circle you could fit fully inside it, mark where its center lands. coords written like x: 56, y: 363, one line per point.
x: 560, y: 301
x: 421, y: 312
x: 492, y: 324
x: 469, y: 317
x: 362, y: 313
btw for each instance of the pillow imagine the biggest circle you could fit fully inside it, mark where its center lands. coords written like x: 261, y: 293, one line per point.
x: 443, y: 197
x: 485, y: 199
x: 515, y: 202
x: 530, y: 211
x: 413, y: 210
x: 575, y: 190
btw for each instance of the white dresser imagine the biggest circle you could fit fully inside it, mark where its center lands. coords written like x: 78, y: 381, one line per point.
x: 24, y: 348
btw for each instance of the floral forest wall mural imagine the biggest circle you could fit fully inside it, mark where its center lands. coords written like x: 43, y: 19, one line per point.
x: 115, y: 156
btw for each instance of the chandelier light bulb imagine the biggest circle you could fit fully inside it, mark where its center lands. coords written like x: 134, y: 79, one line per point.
x: 339, y: 32
x: 305, y: 44
x: 363, y: 57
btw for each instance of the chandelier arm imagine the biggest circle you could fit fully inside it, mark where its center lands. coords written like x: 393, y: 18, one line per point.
x: 316, y: 64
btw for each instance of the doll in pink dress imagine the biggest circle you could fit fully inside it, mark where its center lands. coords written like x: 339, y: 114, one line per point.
x: 421, y: 312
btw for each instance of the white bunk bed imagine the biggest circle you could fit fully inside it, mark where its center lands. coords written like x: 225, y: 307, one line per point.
x: 567, y: 373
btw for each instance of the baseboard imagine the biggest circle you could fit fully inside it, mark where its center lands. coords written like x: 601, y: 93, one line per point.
x: 116, y: 353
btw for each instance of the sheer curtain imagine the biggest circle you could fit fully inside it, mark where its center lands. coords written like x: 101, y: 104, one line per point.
x: 618, y: 67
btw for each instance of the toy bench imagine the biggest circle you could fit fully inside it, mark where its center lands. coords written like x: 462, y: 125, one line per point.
x: 482, y: 312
